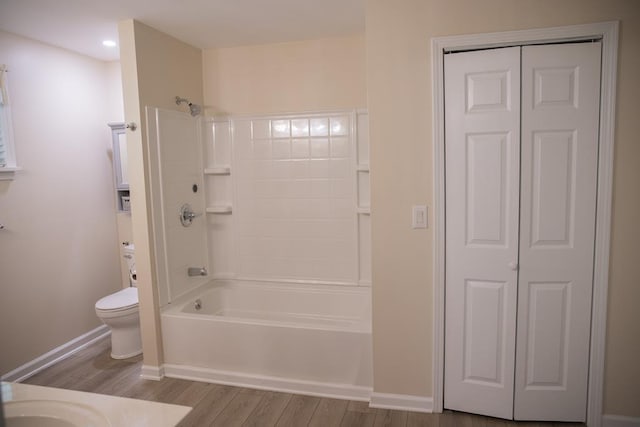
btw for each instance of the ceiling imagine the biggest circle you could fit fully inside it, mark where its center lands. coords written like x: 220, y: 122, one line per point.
x: 82, y: 25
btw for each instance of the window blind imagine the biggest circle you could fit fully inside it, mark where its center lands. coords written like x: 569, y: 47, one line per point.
x: 3, y: 149
x: 4, y: 118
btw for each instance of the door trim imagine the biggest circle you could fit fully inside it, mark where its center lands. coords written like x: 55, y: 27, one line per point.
x: 608, y: 33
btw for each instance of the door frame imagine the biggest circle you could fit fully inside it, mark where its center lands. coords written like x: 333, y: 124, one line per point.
x: 607, y: 32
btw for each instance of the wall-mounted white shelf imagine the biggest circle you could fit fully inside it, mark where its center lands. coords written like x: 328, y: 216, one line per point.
x: 362, y: 168
x: 365, y: 210
x: 220, y: 209
x: 218, y: 170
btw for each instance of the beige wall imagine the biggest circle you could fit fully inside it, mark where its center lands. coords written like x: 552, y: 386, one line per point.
x: 116, y: 114
x: 399, y: 93
x: 114, y: 101
x: 59, y: 252
x: 155, y: 69
x: 324, y: 74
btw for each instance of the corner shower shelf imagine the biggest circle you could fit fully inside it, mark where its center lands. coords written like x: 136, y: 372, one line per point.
x: 364, y: 210
x: 218, y: 170
x: 362, y: 168
x: 221, y: 209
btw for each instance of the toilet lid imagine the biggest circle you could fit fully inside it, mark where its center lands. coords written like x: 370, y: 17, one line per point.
x: 118, y: 301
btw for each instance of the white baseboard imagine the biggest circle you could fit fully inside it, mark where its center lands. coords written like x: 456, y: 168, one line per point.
x: 67, y: 349
x: 311, y: 388
x: 149, y: 372
x: 403, y: 402
x: 619, y: 421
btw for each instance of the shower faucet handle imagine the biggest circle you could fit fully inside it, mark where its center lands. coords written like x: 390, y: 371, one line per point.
x: 187, y: 215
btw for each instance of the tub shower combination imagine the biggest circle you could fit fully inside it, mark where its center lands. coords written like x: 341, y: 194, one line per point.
x: 285, y: 245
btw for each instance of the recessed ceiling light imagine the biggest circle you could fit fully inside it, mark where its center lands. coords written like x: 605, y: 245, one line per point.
x: 109, y: 43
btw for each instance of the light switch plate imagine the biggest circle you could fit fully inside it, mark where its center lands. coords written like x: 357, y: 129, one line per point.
x: 419, y: 217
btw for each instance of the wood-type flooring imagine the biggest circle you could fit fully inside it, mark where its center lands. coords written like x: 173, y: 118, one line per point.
x: 92, y: 370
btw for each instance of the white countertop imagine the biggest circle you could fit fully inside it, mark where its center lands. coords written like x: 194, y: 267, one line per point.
x: 119, y: 411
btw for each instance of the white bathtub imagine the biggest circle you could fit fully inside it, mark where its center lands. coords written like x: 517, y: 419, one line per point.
x: 310, y: 339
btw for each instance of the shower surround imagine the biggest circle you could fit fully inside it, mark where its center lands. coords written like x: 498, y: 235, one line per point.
x: 285, y: 237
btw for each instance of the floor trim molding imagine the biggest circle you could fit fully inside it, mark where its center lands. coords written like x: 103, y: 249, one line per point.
x: 619, y: 421
x: 262, y: 382
x: 56, y: 355
x: 150, y: 372
x: 403, y: 402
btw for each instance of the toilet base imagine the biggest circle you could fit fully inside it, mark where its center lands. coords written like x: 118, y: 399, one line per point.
x: 125, y: 342
x: 125, y: 356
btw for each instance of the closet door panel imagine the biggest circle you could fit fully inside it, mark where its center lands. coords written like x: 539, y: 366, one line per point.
x: 552, y: 188
x: 560, y: 110
x: 482, y: 190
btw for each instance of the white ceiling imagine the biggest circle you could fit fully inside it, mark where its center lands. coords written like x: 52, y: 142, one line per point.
x: 82, y: 25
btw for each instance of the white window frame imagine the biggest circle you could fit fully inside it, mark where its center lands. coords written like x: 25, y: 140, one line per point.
x: 7, y: 171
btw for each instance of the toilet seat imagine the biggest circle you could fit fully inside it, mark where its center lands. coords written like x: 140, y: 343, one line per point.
x: 123, y: 300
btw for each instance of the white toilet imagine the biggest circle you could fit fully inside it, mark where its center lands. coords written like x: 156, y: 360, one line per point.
x: 119, y: 311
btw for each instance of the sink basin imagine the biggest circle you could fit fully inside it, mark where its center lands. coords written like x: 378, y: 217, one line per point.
x: 52, y: 413
x: 33, y: 421
x: 27, y: 405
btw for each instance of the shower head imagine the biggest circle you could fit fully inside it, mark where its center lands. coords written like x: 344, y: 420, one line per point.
x: 194, y: 109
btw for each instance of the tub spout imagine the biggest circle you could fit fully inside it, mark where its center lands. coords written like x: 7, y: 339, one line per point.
x: 197, y: 271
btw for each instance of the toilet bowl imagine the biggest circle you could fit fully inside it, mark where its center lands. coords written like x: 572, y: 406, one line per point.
x: 119, y: 311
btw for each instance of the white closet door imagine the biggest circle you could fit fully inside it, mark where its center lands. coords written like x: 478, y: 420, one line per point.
x: 560, y: 110
x: 482, y: 108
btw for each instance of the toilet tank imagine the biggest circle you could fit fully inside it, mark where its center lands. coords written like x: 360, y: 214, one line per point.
x: 128, y: 255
